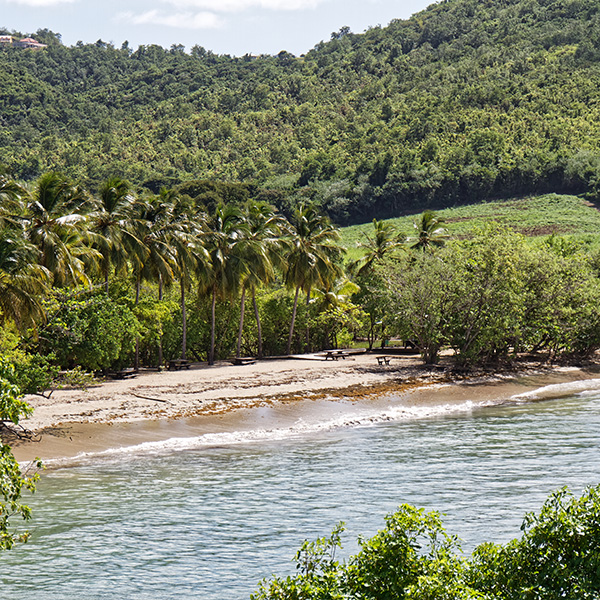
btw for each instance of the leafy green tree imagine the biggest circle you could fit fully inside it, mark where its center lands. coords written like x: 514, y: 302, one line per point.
x: 92, y: 332
x: 13, y: 481
x: 485, y: 311
x: 423, y: 300
x: 414, y: 558
x: 556, y: 557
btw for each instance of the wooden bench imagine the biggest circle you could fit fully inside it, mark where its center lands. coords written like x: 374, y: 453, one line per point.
x: 239, y: 360
x: 383, y: 360
x: 178, y: 363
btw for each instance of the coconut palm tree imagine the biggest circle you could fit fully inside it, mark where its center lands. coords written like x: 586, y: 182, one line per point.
x: 112, y: 227
x: 55, y: 224
x: 224, y: 240
x: 384, y: 241
x: 184, y: 234
x: 428, y: 232
x: 11, y: 205
x: 313, y: 256
x: 22, y: 281
x: 263, y: 252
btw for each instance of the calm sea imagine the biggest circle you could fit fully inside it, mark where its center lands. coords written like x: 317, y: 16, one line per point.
x: 208, y: 517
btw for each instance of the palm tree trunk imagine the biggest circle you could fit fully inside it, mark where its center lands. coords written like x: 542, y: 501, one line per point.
x: 160, y: 341
x: 258, y: 325
x: 106, y: 282
x: 289, y: 345
x: 183, y: 321
x: 213, y: 314
x: 307, y: 321
x: 136, y: 364
x: 241, y: 329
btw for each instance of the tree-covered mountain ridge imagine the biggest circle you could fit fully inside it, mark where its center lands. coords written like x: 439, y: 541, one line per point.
x: 466, y: 100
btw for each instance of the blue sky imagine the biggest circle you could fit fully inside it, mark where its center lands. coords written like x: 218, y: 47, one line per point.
x: 232, y: 27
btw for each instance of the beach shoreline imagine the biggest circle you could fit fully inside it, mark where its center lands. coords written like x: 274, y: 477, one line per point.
x: 156, y: 406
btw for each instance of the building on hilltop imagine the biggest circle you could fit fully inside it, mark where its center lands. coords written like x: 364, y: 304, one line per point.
x: 28, y: 43
x: 9, y: 40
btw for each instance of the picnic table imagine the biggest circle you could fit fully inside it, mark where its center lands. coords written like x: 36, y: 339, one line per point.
x: 335, y: 354
x: 178, y: 363
x: 122, y: 374
x: 242, y: 360
x: 383, y: 360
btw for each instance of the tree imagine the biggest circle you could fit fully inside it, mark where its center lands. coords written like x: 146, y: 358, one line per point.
x: 23, y: 282
x: 421, y: 290
x: 224, y: 241
x: 186, y: 238
x: 384, y: 242
x: 13, y: 481
x: 312, y: 256
x: 112, y: 225
x: 263, y: 252
x: 11, y: 207
x: 428, y: 232
x: 56, y: 226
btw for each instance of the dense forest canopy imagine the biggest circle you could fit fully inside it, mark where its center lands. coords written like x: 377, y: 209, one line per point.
x: 466, y: 100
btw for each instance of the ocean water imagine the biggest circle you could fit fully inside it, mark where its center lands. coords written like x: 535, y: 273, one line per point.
x: 207, y: 517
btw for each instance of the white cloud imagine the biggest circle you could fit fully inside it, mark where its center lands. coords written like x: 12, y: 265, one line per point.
x: 239, y: 5
x: 40, y: 2
x: 181, y: 20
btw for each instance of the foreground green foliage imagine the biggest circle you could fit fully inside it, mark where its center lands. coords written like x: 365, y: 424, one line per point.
x: 13, y: 482
x: 557, y: 556
x: 446, y: 107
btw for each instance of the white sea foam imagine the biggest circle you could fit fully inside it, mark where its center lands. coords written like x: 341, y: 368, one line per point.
x: 560, y: 390
x: 302, y: 427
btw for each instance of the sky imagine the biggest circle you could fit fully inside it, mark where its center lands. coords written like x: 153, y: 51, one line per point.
x: 234, y: 27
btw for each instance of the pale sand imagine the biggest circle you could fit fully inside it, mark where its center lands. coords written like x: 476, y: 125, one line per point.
x: 160, y: 405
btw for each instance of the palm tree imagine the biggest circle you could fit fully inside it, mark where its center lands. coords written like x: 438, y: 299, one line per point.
x: 185, y: 237
x: 11, y: 206
x: 22, y: 281
x: 55, y: 224
x: 335, y: 296
x: 262, y: 252
x: 153, y: 258
x: 428, y: 232
x: 112, y: 226
x: 384, y: 242
x: 224, y: 242
x: 313, y: 256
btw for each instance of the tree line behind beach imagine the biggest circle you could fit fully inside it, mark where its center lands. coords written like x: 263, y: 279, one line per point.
x: 113, y: 279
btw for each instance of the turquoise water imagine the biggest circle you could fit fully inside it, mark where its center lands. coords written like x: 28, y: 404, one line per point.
x: 210, y: 519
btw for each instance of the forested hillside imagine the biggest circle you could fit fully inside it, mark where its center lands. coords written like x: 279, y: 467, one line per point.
x: 467, y: 100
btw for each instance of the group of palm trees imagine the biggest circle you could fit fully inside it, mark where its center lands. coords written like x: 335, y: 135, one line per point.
x: 55, y: 234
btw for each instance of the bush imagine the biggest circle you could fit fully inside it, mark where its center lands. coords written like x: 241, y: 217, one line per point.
x: 558, y: 556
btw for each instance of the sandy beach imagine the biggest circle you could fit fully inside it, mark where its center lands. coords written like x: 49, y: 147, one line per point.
x: 205, y: 399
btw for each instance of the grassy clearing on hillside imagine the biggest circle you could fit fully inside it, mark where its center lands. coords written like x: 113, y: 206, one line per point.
x: 533, y: 216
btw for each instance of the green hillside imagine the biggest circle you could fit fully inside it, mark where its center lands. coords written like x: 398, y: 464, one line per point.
x: 467, y: 100
x: 569, y: 217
